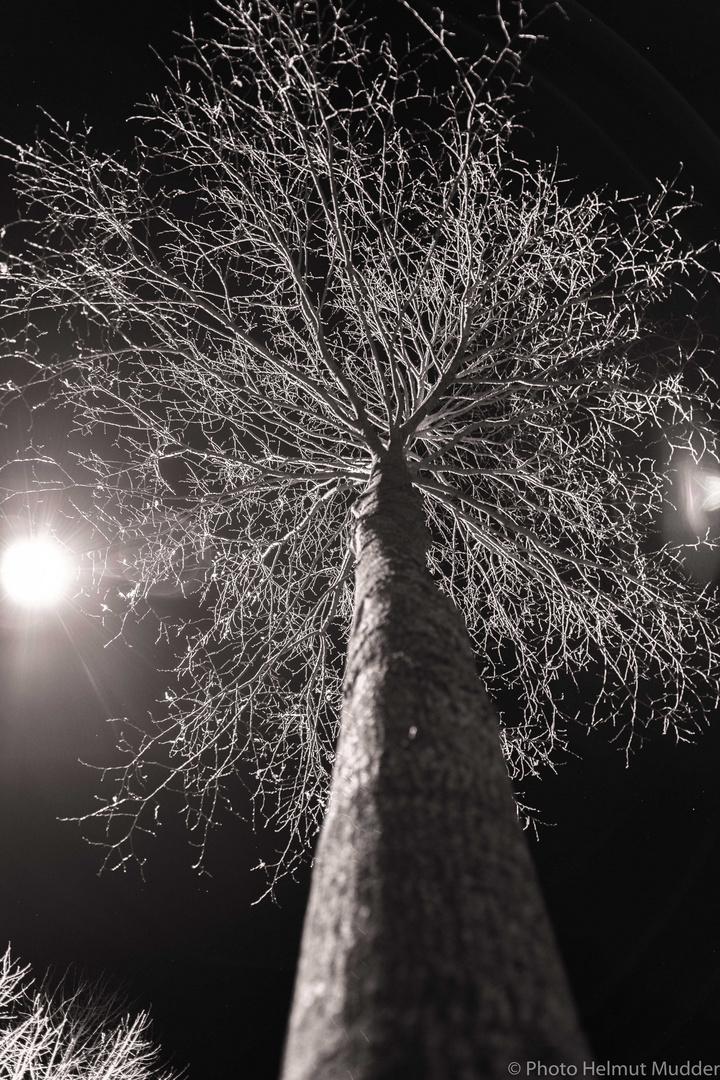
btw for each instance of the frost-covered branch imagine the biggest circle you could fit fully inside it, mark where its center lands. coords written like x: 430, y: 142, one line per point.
x: 70, y: 1033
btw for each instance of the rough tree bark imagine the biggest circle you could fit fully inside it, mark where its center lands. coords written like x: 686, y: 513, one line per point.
x: 427, y: 952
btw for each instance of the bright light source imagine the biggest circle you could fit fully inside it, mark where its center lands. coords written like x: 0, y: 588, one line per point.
x: 701, y: 496
x: 705, y: 491
x: 35, y: 573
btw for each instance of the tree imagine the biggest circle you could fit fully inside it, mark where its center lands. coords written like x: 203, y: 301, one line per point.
x: 70, y: 1033
x: 326, y: 327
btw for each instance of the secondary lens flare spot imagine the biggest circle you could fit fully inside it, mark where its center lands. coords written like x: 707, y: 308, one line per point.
x: 35, y: 573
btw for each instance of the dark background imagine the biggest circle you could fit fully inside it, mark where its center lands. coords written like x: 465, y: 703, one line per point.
x: 627, y: 89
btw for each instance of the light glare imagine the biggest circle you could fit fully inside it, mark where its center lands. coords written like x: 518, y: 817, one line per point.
x: 709, y: 491
x: 35, y: 573
x: 701, y: 490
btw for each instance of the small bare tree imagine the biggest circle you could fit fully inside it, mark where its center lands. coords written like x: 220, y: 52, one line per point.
x: 70, y: 1033
x: 323, y: 329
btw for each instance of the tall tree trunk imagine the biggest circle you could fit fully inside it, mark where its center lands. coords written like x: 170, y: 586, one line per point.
x: 427, y: 953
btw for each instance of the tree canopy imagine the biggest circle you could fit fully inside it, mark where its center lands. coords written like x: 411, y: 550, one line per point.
x: 323, y: 246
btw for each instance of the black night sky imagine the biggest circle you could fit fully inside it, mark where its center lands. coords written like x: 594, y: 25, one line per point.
x: 627, y: 89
